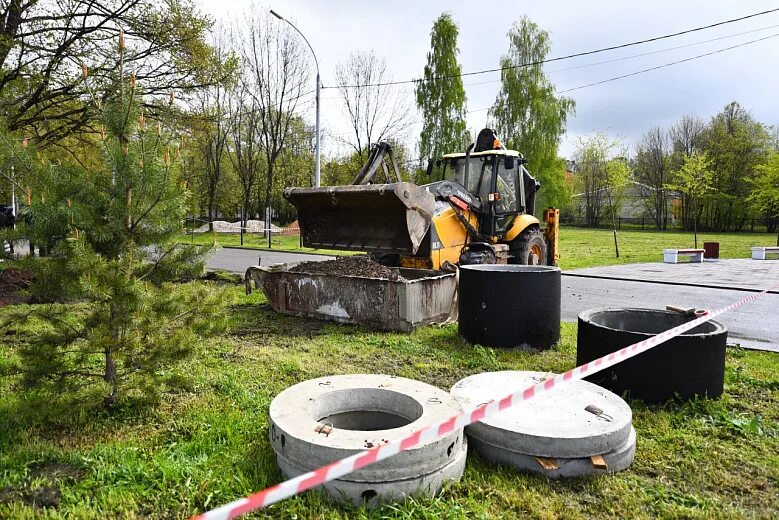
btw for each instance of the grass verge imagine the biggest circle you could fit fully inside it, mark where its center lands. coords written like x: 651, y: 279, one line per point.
x: 207, y: 443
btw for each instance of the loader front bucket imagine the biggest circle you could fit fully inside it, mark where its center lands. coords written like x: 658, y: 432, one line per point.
x: 376, y: 218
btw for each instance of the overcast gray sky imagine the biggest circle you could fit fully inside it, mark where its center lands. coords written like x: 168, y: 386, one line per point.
x: 399, y: 31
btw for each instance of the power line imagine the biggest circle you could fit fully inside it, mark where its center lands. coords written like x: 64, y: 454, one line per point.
x: 615, y: 78
x: 624, y: 58
x: 668, y: 64
x: 633, y: 56
x: 650, y: 69
x: 568, y: 56
x: 636, y: 73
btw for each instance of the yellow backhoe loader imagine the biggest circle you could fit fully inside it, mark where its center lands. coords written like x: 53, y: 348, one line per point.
x: 478, y: 209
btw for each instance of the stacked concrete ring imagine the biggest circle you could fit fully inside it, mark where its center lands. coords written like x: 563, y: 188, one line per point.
x: 322, y: 420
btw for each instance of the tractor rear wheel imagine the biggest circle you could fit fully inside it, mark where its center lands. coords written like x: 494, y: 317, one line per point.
x: 529, y: 248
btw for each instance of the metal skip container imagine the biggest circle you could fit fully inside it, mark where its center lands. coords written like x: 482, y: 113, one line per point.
x: 414, y: 297
x: 510, y: 305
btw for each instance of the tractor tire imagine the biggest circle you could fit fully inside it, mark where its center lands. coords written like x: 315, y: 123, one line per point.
x: 529, y: 248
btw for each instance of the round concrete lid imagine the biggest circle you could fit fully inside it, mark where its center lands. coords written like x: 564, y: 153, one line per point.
x: 556, y: 423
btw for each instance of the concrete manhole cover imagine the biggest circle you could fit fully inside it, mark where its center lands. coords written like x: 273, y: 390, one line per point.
x: 576, y: 420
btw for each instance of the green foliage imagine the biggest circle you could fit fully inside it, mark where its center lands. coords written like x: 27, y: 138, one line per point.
x: 46, y: 43
x: 736, y: 145
x: 527, y: 114
x: 695, y: 178
x: 440, y: 95
x: 617, y: 178
x: 765, y: 186
x: 112, y: 232
x: 600, y: 176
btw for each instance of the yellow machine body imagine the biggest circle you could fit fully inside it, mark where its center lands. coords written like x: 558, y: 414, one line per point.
x: 452, y: 237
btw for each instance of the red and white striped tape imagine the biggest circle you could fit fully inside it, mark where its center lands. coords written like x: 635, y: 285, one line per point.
x: 430, y: 433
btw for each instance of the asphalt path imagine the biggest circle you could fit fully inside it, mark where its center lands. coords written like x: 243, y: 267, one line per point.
x: 237, y: 260
x: 754, y: 325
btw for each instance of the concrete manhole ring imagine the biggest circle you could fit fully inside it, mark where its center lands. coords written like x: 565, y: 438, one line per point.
x: 372, y: 494
x: 558, y: 424
x: 316, y: 422
x: 616, y: 460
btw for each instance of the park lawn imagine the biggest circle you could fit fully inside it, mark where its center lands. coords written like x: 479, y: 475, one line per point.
x: 585, y: 247
x: 579, y: 247
x: 207, y: 443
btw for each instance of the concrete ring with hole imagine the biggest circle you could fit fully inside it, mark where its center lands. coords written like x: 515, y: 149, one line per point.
x: 322, y: 420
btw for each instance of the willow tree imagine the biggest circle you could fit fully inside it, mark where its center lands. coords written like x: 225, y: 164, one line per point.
x: 440, y: 94
x: 527, y: 114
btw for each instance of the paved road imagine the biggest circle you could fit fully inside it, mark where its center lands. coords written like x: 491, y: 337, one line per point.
x: 754, y: 325
x: 742, y: 273
x: 237, y: 260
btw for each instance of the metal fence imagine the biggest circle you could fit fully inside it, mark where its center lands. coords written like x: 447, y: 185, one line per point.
x: 752, y: 225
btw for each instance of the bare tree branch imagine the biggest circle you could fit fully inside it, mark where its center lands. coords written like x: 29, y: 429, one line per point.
x: 375, y: 113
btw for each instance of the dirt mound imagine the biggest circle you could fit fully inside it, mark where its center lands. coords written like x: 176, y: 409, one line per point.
x: 348, y: 265
x: 39, y: 497
x: 11, y: 282
x: 252, y: 226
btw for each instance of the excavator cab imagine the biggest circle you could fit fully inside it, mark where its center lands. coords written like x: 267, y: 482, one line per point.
x: 503, y: 187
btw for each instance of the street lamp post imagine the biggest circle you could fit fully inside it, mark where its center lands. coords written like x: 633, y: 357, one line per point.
x: 318, y: 86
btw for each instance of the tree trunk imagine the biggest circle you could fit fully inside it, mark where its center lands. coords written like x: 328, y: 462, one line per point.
x: 110, y: 377
x: 613, y: 226
x: 211, y: 197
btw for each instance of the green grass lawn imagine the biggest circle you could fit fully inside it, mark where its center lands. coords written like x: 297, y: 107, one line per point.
x: 579, y: 247
x: 583, y: 247
x: 207, y: 443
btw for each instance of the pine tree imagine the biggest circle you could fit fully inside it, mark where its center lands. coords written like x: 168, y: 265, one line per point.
x: 113, y: 233
x: 440, y: 95
x: 527, y: 114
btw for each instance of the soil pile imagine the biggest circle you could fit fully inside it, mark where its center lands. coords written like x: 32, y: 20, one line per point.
x: 349, y: 265
x: 11, y: 282
x: 252, y: 226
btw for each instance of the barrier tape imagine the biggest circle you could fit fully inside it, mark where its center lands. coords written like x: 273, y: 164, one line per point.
x: 430, y: 433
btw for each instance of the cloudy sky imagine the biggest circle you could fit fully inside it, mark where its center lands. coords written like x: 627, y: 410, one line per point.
x: 399, y: 31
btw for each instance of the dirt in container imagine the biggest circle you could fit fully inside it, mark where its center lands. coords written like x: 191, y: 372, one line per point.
x: 349, y: 265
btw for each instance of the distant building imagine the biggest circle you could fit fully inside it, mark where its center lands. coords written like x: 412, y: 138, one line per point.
x: 631, y: 205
